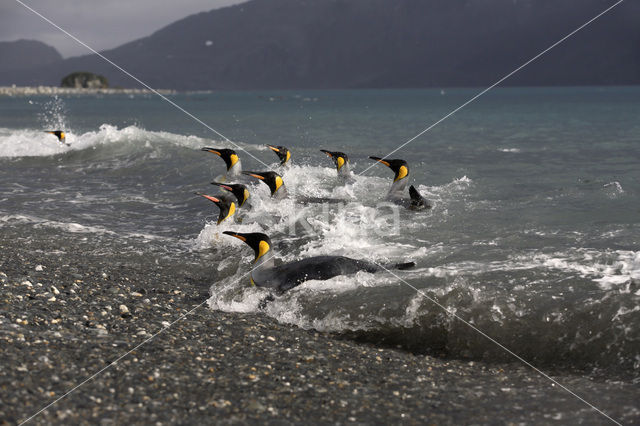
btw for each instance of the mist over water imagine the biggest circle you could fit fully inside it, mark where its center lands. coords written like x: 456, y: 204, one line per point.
x: 533, y: 238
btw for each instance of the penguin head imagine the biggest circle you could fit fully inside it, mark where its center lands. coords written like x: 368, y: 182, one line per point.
x: 283, y: 153
x: 227, y: 208
x: 272, y: 179
x: 339, y: 158
x: 399, y: 167
x: 59, y: 134
x: 228, y: 155
x: 237, y: 189
x: 259, y: 242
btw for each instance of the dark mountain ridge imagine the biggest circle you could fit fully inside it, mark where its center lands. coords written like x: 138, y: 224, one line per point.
x: 20, y: 54
x: 285, y: 44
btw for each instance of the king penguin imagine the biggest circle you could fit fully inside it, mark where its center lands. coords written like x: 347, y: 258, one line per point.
x: 231, y: 159
x: 396, y: 192
x: 227, y: 208
x: 283, y: 154
x: 59, y: 134
x: 281, y: 278
x: 273, y: 181
x: 238, y: 190
x: 341, y: 162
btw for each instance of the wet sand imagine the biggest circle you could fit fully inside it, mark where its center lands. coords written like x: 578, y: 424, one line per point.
x: 63, y: 318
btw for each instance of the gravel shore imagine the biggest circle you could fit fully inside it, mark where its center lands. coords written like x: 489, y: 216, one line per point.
x: 52, y: 90
x: 69, y: 308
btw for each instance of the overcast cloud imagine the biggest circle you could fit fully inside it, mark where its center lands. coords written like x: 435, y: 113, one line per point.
x: 102, y: 24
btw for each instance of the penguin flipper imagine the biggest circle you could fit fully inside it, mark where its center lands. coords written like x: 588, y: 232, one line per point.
x: 405, y: 265
x: 417, y: 200
x: 402, y: 266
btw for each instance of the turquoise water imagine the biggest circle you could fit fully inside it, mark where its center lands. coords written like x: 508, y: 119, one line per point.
x: 534, y: 235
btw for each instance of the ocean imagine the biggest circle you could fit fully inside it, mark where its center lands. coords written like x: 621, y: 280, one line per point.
x: 533, y: 238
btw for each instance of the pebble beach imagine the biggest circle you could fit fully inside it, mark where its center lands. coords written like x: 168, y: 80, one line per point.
x: 66, y: 316
x: 53, y: 90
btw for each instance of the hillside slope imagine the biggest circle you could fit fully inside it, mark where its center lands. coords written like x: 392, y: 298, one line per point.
x: 374, y: 43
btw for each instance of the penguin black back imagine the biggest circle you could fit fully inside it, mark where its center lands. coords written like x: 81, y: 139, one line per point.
x: 286, y: 276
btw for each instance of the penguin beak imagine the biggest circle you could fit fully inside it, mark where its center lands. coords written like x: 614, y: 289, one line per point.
x: 273, y: 148
x: 380, y: 160
x: 228, y: 188
x: 255, y: 175
x: 208, y: 197
x: 329, y: 153
x: 234, y: 234
x: 212, y: 150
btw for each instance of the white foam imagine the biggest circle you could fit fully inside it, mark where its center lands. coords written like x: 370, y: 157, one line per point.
x: 65, y: 226
x: 212, y: 234
x: 613, y: 189
x: 623, y: 270
x: 29, y: 143
x: 71, y: 227
x: 609, y: 269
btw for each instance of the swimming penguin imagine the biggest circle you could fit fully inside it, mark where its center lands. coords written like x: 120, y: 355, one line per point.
x: 341, y: 161
x: 227, y: 208
x: 283, y: 153
x: 231, y: 159
x: 396, y: 192
x: 238, y: 190
x: 273, y: 180
x: 281, y: 278
x: 59, y: 134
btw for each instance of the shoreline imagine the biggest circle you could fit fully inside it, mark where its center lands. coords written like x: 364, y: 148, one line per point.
x: 53, y: 90
x: 61, y: 321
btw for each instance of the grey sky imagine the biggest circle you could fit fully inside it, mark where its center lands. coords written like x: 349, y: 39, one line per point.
x: 102, y: 24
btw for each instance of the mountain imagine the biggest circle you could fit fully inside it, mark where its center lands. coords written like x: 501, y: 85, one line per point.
x: 20, y: 54
x: 283, y: 44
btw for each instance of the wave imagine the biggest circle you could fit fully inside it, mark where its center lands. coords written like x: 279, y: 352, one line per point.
x: 16, y: 143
